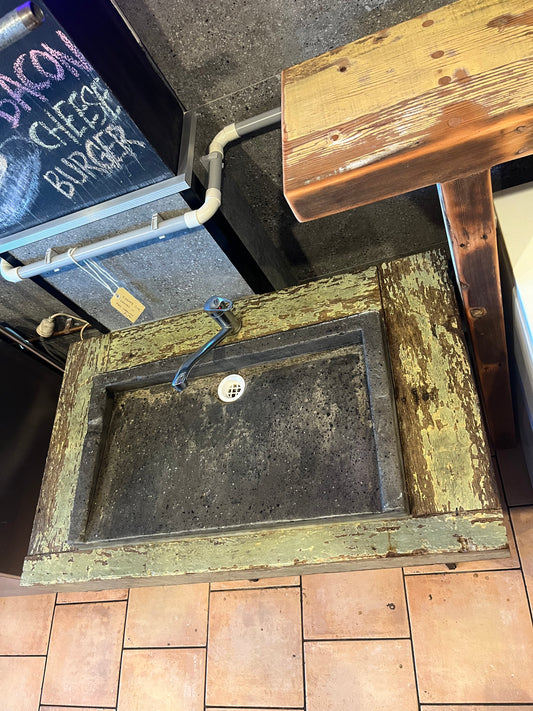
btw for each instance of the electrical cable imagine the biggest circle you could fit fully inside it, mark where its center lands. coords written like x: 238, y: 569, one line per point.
x: 59, y: 360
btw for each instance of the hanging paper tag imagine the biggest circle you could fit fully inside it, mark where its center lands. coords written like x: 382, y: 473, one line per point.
x: 127, y: 304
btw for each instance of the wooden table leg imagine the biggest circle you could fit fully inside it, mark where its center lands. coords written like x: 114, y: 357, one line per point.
x: 471, y: 227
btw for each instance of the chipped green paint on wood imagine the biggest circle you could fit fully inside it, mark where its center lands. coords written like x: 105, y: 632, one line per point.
x: 52, y: 520
x: 446, y: 454
x: 296, y: 306
x: 297, y: 550
x: 447, y: 459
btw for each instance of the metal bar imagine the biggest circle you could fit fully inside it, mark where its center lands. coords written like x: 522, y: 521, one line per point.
x: 23, y: 343
x: 255, y: 123
x: 96, y: 249
x: 19, y: 22
x: 94, y: 213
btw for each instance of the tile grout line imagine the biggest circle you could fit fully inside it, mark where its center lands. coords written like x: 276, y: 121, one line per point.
x: 463, y: 572
x: 505, y: 705
x: 356, y: 639
x: 91, y: 602
x: 303, y: 642
x: 76, y: 706
x: 47, y: 650
x: 529, y: 601
x: 22, y: 656
x: 122, y: 647
x: 207, y: 641
x: 168, y: 646
x: 257, y: 587
x: 415, y: 673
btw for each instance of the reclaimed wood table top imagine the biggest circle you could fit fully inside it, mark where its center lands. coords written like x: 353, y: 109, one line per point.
x: 455, y: 509
x: 433, y: 99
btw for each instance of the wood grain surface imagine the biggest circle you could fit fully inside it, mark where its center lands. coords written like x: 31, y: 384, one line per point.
x: 471, y: 227
x: 293, y: 307
x: 438, y: 97
x: 52, y: 519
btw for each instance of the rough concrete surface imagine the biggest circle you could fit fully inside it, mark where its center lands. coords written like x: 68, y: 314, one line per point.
x: 300, y: 443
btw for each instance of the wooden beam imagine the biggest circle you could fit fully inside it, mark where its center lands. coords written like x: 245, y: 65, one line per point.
x: 433, y: 99
x: 446, y: 454
x: 299, y: 550
x: 471, y: 227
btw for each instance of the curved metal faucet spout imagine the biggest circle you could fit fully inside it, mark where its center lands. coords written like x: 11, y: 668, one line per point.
x: 220, y: 309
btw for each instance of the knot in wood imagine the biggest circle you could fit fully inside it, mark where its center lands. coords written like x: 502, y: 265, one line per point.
x: 478, y: 312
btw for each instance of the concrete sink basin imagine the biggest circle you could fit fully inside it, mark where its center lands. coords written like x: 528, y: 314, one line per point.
x: 312, y: 437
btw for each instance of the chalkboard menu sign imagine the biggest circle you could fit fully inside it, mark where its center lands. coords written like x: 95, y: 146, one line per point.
x: 84, y: 115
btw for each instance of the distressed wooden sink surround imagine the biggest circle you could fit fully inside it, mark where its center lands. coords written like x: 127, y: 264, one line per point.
x: 456, y: 513
x: 438, y: 99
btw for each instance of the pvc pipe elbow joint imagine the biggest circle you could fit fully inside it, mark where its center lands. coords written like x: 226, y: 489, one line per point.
x: 213, y: 199
x: 8, y: 272
x: 223, y: 137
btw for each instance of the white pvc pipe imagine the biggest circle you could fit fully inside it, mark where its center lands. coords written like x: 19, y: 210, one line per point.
x: 187, y: 221
x: 57, y: 261
x: 223, y: 137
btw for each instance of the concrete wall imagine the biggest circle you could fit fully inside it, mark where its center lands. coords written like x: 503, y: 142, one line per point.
x: 225, y: 60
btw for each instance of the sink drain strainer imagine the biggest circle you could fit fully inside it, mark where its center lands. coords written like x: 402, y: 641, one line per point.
x: 231, y: 388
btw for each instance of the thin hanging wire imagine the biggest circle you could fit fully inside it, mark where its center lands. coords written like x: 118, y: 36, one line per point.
x: 96, y: 272
x: 104, y: 273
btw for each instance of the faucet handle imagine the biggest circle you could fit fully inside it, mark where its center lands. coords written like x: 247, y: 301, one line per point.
x: 218, y: 304
x: 220, y: 309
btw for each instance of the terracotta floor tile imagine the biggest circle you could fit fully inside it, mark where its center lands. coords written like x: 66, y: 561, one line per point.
x: 522, y: 519
x: 472, y: 636
x: 25, y: 624
x: 515, y: 477
x: 366, y: 603
x: 261, y: 583
x: 254, y: 653
x: 20, y: 683
x: 84, y: 657
x: 174, y: 616
x: 100, y: 596
x: 162, y: 680
x: 478, y: 565
x: 363, y: 674
x: 71, y: 708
